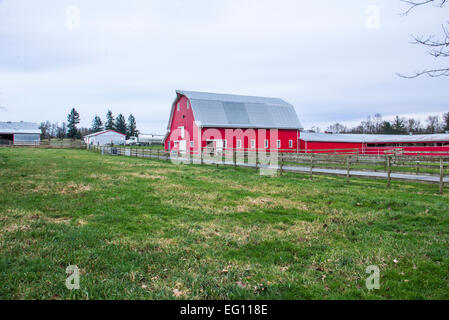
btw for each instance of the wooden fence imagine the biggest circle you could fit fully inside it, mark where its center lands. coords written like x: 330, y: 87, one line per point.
x: 389, y: 166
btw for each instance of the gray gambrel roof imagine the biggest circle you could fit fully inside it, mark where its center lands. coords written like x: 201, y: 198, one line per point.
x: 19, y: 127
x: 235, y: 111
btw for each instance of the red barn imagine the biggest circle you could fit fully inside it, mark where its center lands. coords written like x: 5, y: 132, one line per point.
x: 200, y: 119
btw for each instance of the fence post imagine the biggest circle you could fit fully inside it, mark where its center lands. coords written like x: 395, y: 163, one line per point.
x: 388, y: 171
x: 201, y: 155
x: 234, y: 156
x: 311, y: 165
x: 348, y: 161
x: 257, y: 158
x: 441, y: 176
x: 417, y: 167
x: 282, y: 164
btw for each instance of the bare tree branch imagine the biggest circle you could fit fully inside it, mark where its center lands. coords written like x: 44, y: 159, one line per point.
x: 438, y: 48
x: 414, y: 4
x: 431, y: 73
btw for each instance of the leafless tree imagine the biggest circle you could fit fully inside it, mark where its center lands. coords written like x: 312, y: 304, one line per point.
x: 437, y: 47
x: 315, y: 129
x: 1, y: 107
x: 337, y: 128
x: 377, y: 122
x: 434, y: 124
x: 414, y: 126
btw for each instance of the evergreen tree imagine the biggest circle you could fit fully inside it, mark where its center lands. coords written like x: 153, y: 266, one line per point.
x: 387, y: 128
x: 109, y: 125
x: 399, y: 125
x: 120, y: 124
x: 132, y: 127
x: 97, y: 124
x: 72, y: 120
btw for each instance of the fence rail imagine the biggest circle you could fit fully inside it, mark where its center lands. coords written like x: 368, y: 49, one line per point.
x: 389, y: 166
x: 56, y: 144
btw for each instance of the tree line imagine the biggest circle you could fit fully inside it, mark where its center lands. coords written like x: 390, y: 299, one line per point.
x: 399, y: 125
x: 70, y: 128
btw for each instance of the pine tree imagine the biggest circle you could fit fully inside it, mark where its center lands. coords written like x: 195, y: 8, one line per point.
x: 120, y: 124
x: 132, y: 127
x: 398, y: 125
x: 109, y: 125
x: 97, y: 124
x: 387, y: 128
x: 72, y: 120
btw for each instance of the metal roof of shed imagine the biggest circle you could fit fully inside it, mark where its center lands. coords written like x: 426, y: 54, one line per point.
x: 237, y: 111
x: 104, y: 131
x: 373, y: 138
x: 19, y: 127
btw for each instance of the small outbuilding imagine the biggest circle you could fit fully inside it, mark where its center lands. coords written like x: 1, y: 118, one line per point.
x: 105, y: 137
x: 372, y: 143
x: 19, y: 133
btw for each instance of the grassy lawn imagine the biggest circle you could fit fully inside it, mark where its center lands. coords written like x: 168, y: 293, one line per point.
x: 148, y: 229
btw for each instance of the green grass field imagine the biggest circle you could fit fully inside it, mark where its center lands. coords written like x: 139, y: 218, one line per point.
x: 148, y: 229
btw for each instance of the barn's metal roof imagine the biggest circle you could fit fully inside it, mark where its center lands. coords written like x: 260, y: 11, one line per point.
x: 373, y: 138
x: 101, y: 132
x: 19, y: 127
x: 236, y: 111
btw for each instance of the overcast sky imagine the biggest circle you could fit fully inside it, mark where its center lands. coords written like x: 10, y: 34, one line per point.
x: 333, y: 60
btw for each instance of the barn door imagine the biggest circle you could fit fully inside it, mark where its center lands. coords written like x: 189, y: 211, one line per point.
x: 182, y: 146
x: 219, y: 146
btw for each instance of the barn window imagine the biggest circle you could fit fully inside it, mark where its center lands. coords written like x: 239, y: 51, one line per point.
x: 176, y: 144
x: 253, y: 143
x: 225, y: 143
x: 266, y: 143
x: 191, y: 144
x: 179, y: 107
x: 188, y: 104
x: 182, y: 132
x: 290, y: 143
x: 279, y: 144
x: 239, y: 143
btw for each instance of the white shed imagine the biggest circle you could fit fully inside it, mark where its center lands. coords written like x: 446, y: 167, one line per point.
x: 105, y: 137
